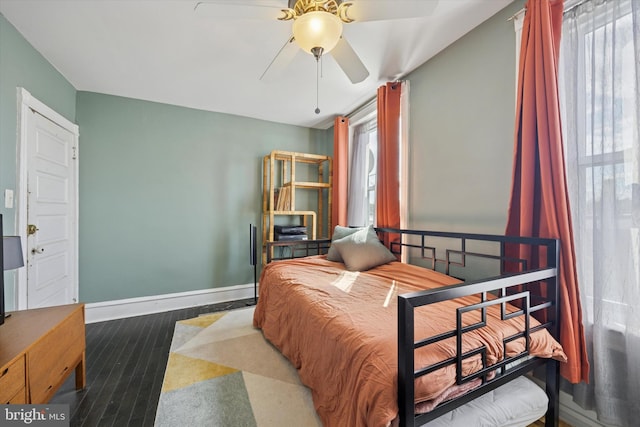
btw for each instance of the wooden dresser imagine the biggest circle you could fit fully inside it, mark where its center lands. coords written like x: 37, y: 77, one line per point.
x: 39, y: 349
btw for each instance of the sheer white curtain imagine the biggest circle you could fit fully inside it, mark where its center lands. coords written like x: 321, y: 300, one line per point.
x: 357, y: 201
x: 518, y: 20
x: 404, y: 157
x: 599, y: 83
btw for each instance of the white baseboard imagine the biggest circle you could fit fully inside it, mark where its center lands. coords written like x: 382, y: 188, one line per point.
x: 130, y: 307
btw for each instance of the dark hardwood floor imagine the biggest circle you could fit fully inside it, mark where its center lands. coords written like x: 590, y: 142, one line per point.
x: 126, y: 360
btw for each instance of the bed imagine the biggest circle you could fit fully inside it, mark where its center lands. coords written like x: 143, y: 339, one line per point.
x: 384, y: 343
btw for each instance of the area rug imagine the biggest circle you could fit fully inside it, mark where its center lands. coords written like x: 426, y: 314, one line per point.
x: 222, y: 372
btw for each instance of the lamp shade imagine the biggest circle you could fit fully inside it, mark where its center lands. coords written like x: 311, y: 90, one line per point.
x: 317, y: 29
x: 12, y: 252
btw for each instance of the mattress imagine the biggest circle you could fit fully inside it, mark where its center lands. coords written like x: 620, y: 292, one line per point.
x: 517, y: 403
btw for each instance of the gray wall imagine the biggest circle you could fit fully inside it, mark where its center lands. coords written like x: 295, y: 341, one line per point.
x: 167, y: 194
x: 23, y: 66
x: 461, y: 131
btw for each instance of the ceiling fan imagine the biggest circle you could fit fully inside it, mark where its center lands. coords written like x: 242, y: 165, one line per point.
x: 317, y: 26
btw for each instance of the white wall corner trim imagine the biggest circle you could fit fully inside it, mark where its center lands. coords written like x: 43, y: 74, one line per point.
x: 131, y: 307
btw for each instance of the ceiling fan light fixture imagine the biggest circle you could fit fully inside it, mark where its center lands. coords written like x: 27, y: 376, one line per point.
x: 317, y: 29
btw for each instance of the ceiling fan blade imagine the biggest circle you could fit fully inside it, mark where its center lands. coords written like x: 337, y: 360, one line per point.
x: 349, y: 61
x: 377, y: 10
x: 229, y: 9
x: 282, y: 59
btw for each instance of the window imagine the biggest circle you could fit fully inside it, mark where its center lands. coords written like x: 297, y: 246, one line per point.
x: 599, y: 101
x: 365, y: 166
x: 598, y: 87
x: 361, y: 208
x: 372, y: 161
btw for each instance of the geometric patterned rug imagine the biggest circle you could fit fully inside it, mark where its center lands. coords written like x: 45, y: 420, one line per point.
x: 222, y: 372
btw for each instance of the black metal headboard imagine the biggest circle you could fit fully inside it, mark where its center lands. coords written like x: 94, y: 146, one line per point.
x: 277, y: 251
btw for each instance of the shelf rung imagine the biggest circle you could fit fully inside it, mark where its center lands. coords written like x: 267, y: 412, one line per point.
x: 313, y: 213
x: 308, y: 184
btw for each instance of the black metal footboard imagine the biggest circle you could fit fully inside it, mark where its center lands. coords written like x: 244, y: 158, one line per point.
x: 533, y: 290
x: 499, y: 270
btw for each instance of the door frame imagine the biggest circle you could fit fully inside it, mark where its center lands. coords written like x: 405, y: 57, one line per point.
x: 27, y: 102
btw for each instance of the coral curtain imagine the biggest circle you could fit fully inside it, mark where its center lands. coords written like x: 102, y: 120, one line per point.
x: 539, y: 204
x: 388, y: 180
x: 340, y: 172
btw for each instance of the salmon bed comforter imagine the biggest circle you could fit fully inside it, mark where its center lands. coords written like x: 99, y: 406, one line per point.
x: 339, y: 329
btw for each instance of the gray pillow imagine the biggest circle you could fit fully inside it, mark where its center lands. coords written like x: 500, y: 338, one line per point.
x: 363, y: 250
x: 339, y: 232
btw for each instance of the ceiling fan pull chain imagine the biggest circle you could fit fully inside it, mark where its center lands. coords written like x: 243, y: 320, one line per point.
x: 317, y: 110
x: 317, y: 53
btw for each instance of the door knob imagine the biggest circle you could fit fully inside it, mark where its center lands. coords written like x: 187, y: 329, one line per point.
x: 31, y: 229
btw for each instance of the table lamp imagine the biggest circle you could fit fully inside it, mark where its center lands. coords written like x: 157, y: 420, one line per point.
x: 11, y: 255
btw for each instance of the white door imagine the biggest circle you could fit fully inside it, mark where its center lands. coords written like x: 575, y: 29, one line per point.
x: 51, y: 213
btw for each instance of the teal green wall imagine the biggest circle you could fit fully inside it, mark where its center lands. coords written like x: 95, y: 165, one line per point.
x: 461, y: 131
x: 22, y: 66
x: 167, y: 194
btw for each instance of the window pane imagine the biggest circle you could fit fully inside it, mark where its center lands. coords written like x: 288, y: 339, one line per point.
x: 372, y: 176
x: 610, y: 91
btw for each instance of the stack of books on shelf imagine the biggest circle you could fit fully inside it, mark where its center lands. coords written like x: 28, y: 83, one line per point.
x: 283, y: 199
x: 290, y: 232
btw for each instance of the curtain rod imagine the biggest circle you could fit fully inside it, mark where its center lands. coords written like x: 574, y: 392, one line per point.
x: 362, y: 107
x: 372, y: 100
x: 567, y: 10
x: 523, y: 10
x: 570, y: 8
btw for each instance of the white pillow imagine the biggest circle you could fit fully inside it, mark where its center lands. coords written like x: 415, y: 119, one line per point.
x: 363, y: 250
x: 339, y: 232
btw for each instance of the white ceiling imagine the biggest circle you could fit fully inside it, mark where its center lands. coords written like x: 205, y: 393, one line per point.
x: 166, y: 51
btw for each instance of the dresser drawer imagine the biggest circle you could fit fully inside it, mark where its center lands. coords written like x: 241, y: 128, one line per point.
x: 19, y: 399
x: 12, y: 380
x: 53, y: 358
